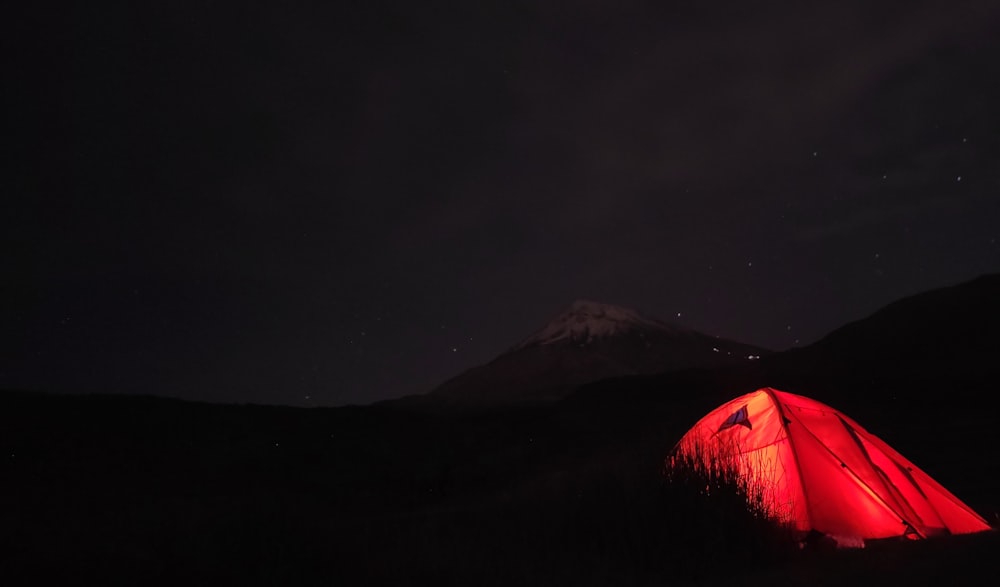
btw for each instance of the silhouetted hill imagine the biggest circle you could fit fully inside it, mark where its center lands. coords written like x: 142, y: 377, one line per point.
x: 949, y: 329
x: 936, y: 350
x: 145, y: 490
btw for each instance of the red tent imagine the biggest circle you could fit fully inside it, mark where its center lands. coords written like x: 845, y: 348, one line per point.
x: 818, y: 470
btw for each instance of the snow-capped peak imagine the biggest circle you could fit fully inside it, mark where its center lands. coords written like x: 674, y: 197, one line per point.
x: 586, y: 320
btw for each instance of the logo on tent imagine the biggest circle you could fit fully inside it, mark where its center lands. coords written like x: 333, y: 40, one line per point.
x: 739, y: 418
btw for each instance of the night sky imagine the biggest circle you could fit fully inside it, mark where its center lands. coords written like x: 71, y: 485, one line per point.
x: 322, y: 204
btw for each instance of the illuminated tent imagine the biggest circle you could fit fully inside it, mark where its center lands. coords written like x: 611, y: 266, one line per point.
x: 815, y: 469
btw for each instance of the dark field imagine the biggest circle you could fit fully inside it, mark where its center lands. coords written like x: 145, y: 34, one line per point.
x: 105, y: 490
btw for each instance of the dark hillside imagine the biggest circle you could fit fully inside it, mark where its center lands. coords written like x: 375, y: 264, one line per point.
x: 142, y: 490
x: 164, y: 492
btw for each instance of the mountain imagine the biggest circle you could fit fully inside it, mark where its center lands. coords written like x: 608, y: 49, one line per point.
x: 587, y: 342
x: 957, y: 325
x: 108, y: 487
x: 934, y: 346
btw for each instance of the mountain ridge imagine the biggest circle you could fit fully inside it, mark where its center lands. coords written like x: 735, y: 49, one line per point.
x: 586, y: 342
x: 585, y: 320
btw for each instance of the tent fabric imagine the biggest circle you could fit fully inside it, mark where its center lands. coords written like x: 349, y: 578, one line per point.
x: 816, y: 469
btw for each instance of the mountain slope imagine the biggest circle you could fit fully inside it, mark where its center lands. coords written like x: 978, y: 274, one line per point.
x: 587, y: 342
x: 957, y: 323
x: 942, y: 345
